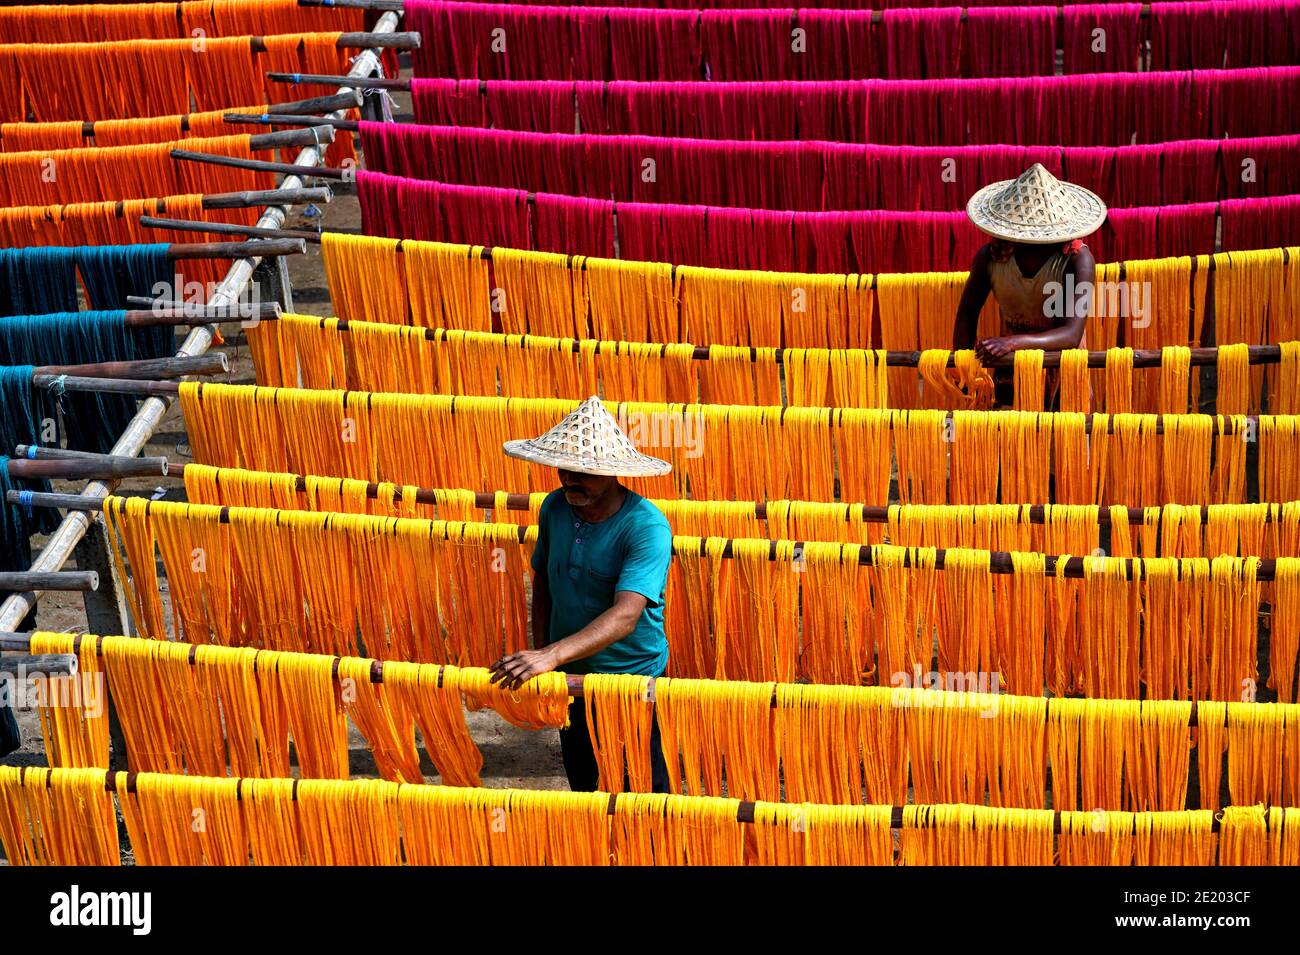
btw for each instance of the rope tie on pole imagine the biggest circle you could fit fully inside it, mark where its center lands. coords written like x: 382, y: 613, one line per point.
x: 31, y: 452
x: 25, y: 502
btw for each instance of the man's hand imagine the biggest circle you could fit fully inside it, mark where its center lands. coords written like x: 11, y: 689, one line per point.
x: 990, y: 350
x: 515, y: 670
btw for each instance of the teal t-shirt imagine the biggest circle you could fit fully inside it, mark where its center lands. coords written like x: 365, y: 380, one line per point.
x: 586, y: 564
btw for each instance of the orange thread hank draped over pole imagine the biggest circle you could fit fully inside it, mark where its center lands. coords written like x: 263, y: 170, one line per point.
x: 42, y: 178
x: 143, y: 77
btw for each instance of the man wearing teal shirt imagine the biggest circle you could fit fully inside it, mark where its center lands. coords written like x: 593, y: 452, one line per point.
x: 600, y: 569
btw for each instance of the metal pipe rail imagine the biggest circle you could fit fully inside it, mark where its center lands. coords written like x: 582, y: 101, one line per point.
x: 60, y: 544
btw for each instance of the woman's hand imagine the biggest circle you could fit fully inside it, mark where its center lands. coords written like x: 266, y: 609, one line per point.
x: 989, y: 350
x: 515, y: 670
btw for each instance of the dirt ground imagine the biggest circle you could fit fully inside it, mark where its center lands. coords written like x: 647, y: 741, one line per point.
x: 511, y: 756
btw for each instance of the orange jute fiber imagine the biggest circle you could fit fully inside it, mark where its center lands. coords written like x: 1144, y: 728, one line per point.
x: 199, y: 710
x: 117, y: 222
x: 152, y: 77
x: 313, y: 352
x: 46, y: 177
x: 376, y: 822
x: 744, y: 452
x: 100, y: 22
x: 70, y: 134
x: 319, y: 582
x: 574, y: 296
x: 203, y: 710
x: 113, y: 222
x: 260, y: 17
x: 1171, y: 530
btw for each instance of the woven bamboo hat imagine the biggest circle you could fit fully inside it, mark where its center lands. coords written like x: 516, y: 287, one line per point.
x: 588, y: 441
x: 1036, y: 208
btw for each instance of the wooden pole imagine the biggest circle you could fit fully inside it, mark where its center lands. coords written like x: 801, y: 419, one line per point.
x: 387, y: 5
x: 359, y: 41
x: 160, y: 309
x: 281, y: 119
x: 228, y: 228
x: 260, y: 165
x: 328, y: 79
x: 261, y: 248
x: 396, y: 6
x: 63, y: 502
x: 33, y: 452
x: 999, y: 561
x: 575, y: 683
x: 267, y: 197
x: 486, y: 500
x: 348, y: 99
x: 66, y: 580
x: 46, y: 664
x: 315, y: 133
x: 53, y: 500
x: 211, y: 363
x: 110, y: 466
x: 1142, y: 357
x: 158, y: 316
x: 108, y: 386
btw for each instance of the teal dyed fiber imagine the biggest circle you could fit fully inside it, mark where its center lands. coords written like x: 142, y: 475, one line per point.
x: 39, y: 281
x: 19, y: 424
x: 21, y: 410
x: 33, y: 281
x: 112, y: 272
x: 93, y: 421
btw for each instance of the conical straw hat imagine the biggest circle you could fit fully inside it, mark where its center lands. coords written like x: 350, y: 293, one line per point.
x: 588, y: 441
x: 1036, y: 208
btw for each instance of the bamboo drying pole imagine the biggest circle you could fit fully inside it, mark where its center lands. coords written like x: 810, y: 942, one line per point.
x: 228, y: 228
x: 336, y: 102
x: 213, y: 363
x: 355, y: 41
x: 267, y: 197
x: 71, y: 465
x: 327, y: 79
x: 65, y: 502
x: 185, y: 314
x: 281, y: 119
x: 60, y: 544
x: 34, y: 452
x: 262, y: 165
x: 239, y: 251
x: 163, y: 311
x: 1142, y: 357
x: 106, y: 386
x: 1227, y: 425
x: 313, y: 133
x: 487, y: 501
x: 999, y: 560
x: 45, y: 664
x: 78, y: 581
